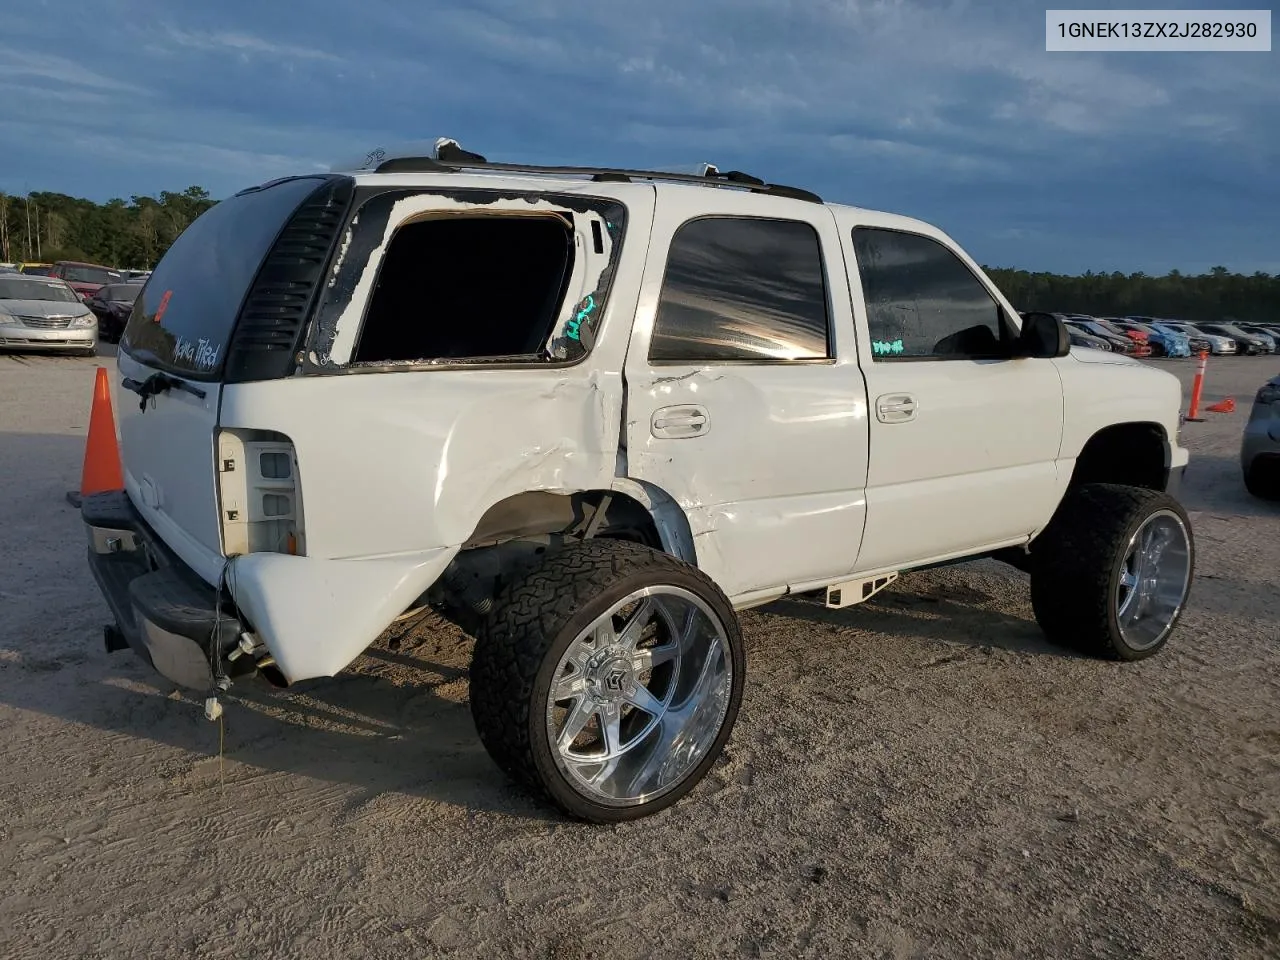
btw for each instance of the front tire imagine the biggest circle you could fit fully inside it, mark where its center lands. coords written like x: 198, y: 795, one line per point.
x: 1112, y: 571
x: 608, y: 679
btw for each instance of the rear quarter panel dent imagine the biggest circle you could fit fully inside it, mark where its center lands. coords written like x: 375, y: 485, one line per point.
x: 395, y: 463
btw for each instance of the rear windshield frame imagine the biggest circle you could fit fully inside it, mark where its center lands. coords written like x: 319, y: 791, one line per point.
x: 150, y: 290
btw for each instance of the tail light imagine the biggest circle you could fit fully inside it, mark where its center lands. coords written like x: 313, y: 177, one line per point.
x: 260, y: 497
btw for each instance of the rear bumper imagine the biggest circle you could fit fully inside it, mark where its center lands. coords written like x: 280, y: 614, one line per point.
x: 313, y: 615
x: 169, y: 616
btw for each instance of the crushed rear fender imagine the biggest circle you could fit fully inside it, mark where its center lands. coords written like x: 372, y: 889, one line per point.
x: 316, y: 616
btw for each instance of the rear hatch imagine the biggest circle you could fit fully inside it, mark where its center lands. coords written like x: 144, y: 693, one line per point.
x: 216, y: 293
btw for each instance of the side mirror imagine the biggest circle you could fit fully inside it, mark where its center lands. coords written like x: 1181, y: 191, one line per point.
x: 1043, y: 336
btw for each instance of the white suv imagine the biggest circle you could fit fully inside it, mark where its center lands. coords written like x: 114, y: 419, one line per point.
x: 590, y: 414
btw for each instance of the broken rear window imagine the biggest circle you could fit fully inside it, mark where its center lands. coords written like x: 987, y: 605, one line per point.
x: 456, y: 288
x: 468, y: 277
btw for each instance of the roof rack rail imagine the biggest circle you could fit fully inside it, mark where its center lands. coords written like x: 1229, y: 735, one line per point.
x: 448, y: 157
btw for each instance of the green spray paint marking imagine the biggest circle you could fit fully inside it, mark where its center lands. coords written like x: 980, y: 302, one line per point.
x: 885, y: 347
x: 572, y: 329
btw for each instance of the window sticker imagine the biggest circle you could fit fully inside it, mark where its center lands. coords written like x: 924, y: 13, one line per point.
x: 884, y: 348
x: 573, y: 329
x: 164, y: 305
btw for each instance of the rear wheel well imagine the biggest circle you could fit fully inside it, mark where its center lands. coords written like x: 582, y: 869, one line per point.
x: 1133, y: 454
x: 517, y: 532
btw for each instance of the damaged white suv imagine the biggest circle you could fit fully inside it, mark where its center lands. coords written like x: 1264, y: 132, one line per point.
x: 590, y: 414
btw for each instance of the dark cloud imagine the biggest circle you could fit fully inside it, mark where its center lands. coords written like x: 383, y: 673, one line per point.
x: 949, y: 111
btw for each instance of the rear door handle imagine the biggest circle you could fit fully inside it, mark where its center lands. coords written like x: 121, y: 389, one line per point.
x: 680, y: 422
x: 895, y: 408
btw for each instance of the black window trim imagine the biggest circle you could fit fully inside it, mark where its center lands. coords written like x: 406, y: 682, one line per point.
x: 832, y: 354
x: 1010, y: 328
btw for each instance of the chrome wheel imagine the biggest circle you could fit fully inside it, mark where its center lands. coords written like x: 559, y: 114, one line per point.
x: 640, y: 696
x: 1154, y: 580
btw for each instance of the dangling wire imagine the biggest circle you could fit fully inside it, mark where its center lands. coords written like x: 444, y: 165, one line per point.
x: 222, y: 774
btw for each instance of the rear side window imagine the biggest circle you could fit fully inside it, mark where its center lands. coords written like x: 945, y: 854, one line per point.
x: 183, y: 319
x: 465, y: 288
x: 923, y: 301
x: 742, y: 289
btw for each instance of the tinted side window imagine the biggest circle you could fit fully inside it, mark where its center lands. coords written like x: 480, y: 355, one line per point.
x: 738, y: 288
x: 922, y: 301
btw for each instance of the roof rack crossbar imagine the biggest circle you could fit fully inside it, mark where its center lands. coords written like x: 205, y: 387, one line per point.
x: 713, y: 178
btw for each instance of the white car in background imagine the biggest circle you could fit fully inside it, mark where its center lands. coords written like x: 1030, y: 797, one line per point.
x: 44, y: 313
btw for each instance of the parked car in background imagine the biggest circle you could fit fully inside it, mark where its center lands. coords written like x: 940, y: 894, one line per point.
x: 112, y: 305
x: 1118, y: 342
x: 1272, y: 330
x: 1246, y: 342
x: 1260, y: 448
x: 84, y: 278
x: 1258, y: 330
x: 1180, y: 340
x: 135, y: 276
x: 44, y: 313
x: 1198, y: 343
x: 1166, y: 344
x: 1080, y: 338
x: 37, y: 269
x: 1141, y: 345
x: 1138, y: 336
x: 1218, y: 344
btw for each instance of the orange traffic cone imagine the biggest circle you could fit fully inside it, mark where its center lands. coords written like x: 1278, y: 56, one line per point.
x: 102, y: 470
x: 1224, y: 406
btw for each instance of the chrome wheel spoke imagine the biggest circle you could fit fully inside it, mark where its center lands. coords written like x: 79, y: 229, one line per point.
x: 636, y: 623
x: 643, y: 699
x: 575, y: 722
x: 611, y: 729
x: 568, y: 687
x: 646, y: 658
x: 619, y: 738
x: 1131, y: 610
x: 602, y: 633
x: 1153, y: 584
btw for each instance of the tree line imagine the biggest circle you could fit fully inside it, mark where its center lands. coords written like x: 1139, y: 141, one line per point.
x: 134, y: 234
x: 1203, y: 298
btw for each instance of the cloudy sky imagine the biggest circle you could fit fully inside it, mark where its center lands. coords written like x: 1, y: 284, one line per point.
x: 949, y: 111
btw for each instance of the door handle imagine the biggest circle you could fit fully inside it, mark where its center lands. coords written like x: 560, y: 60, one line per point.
x: 680, y: 422
x: 896, y: 408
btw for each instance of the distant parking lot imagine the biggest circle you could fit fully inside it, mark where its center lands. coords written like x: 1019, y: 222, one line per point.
x: 919, y: 776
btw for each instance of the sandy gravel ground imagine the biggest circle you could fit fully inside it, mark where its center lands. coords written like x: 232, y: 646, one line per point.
x: 918, y: 777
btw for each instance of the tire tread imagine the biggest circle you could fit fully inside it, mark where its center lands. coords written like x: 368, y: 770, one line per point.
x: 1074, y: 559
x: 525, y: 621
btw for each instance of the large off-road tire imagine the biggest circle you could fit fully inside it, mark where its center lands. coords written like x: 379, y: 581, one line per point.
x: 1111, y: 573
x: 608, y: 679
